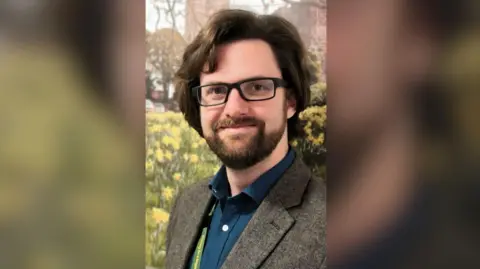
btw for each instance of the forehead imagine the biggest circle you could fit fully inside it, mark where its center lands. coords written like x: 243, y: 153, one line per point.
x: 241, y: 60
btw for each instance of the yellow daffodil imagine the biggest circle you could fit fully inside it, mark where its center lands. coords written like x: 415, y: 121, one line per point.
x: 316, y: 140
x: 193, y: 158
x: 308, y: 130
x: 167, y: 193
x: 166, y: 140
x: 175, y: 145
x: 160, y: 156
x: 294, y: 143
x: 177, y: 176
x: 160, y: 215
x: 168, y: 155
x: 175, y: 131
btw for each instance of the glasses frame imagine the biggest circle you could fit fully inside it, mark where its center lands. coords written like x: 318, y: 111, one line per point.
x: 277, y: 82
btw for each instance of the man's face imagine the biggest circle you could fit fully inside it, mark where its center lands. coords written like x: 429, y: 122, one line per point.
x: 239, y: 132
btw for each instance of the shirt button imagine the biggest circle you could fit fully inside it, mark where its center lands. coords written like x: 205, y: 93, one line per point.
x: 225, y: 228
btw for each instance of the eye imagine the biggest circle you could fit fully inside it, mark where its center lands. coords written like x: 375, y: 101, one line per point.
x: 216, y: 90
x: 258, y: 87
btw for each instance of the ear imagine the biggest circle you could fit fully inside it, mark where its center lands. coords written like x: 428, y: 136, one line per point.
x: 291, y: 107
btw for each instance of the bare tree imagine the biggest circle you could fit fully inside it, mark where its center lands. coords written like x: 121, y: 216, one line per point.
x: 169, y: 9
x: 193, y: 21
x: 266, y: 5
x: 164, y: 51
x: 322, y: 4
x: 165, y: 46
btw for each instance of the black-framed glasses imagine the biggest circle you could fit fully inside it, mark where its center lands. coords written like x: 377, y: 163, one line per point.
x: 252, y: 89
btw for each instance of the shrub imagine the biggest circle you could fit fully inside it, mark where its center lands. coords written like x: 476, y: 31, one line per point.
x: 172, y: 148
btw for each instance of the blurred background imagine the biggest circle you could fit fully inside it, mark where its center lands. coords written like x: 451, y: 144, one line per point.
x: 71, y: 134
x: 402, y: 164
x: 176, y: 155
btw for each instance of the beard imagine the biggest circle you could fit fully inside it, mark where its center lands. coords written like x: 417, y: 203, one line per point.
x: 241, y: 151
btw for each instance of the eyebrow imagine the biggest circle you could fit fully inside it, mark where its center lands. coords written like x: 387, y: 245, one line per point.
x: 245, y: 79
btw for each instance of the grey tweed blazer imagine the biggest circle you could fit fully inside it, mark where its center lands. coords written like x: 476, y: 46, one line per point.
x: 286, y: 232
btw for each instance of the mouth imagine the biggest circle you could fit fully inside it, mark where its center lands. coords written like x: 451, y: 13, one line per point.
x: 238, y: 126
x: 238, y: 129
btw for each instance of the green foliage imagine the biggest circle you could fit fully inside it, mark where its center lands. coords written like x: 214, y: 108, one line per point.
x: 319, y: 88
x: 311, y: 146
x: 176, y: 156
x: 314, y: 121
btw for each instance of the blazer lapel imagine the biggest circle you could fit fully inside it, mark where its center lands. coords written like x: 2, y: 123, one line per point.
x: 271, y: 221
x: 189, y: 225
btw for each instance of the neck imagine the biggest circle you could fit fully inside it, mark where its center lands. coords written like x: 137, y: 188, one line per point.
x: 240, y: 179
x: 376, y: 192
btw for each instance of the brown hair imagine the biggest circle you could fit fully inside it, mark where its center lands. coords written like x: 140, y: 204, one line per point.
x: 228, y: 26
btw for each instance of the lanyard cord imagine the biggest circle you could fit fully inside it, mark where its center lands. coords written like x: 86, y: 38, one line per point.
x: 197, y: 257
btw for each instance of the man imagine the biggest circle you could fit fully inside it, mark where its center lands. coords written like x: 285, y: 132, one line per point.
x: 384, y: 212
x: 242, y: 83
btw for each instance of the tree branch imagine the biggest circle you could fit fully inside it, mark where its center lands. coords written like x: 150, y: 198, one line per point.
x: 266, y: 6
x: 314, y: 3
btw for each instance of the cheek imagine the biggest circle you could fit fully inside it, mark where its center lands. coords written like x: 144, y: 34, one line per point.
x: 272, y: 114
x: 208, y: 117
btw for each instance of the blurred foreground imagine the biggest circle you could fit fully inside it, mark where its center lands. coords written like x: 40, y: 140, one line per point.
x: 71, y: 160
x: 402, y: 164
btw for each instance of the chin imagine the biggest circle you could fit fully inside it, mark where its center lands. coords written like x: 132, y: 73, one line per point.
x: 240, y: 137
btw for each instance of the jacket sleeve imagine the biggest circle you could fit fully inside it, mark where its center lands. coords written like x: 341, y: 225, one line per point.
x: 172, y: 222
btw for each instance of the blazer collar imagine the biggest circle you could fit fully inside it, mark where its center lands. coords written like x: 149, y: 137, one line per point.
x: 271, y: 221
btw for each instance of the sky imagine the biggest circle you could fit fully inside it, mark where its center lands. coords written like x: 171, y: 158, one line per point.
x: 151, y: 16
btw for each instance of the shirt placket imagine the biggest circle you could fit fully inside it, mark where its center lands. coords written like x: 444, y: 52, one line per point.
x: 228, y: 221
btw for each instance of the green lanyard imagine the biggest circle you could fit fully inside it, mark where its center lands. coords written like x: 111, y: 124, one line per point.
x: 197, y: 256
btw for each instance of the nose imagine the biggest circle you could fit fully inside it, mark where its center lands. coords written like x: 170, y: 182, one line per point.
x: 236, y: 105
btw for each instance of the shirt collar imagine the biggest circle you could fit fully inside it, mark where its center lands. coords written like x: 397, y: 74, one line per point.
x: 259, y: 189
x: 219, y: 184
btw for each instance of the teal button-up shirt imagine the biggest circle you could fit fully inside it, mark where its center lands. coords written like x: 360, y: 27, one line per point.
x: 232, y: 214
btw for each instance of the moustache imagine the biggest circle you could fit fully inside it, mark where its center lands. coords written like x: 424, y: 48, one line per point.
x: 236, y: 122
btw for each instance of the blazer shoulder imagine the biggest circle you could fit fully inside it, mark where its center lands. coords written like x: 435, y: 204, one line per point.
x: 191, y: 192
x: 197, y: 186
x: 317, y: 189
x: 315, y: 200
